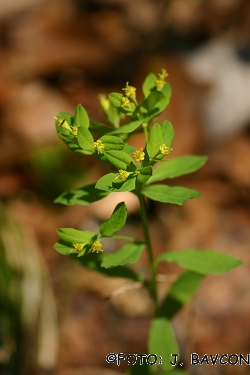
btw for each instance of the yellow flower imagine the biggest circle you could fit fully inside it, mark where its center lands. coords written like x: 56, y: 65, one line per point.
x: 165, y: 150
x: 160, y: 82
x: 139, y: 155
x: 99, y: 146
x: 130, y: 91
x: 104, y: 101
x: 97, y: 247
x: 124, y: 101
x: 122, y: 175
x: 74, y: 130
x: 77, y: 247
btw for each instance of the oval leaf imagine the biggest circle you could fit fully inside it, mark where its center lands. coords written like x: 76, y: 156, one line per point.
x: 112, y: 142
x: 129, y: 253
x: 83, y: 196
x: 149, y: 85
x: 81, y: 117
x: 167, y: 132
x: 170, y: 194
x: 116, y: 221
x: 85, y: 140
x: 155, y: 140
x: 162, y: 341
x: 120, y: 160
x: 74, y: 235
x: 109, y: 182
x: 177, y: 167
x: 203, y: 262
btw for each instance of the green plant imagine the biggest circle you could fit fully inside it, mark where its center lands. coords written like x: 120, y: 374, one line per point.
x: 136, y: 174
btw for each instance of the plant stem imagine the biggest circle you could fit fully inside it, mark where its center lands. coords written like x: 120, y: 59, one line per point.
x: 145, y: 130
x: 144, y: 218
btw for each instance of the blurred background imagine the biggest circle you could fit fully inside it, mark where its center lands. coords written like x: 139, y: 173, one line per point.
x: 54, y: 54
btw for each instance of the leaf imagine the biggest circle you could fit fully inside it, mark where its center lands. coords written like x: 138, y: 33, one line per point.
x: 114, y: 98
x: 112, y: 142
x: 93, y: 262
x: 81, y: 117
x: 84, y: 196
x: 99, y: 128
x: 144, y: 174
x: 116, y: 221
x: 177, y: 167
x: 74, y: 235
x: 120, y: 160
x: 129, y: 253
x: 155, y: 103
x: 149, y: 85
x: 170, y: 194
x: 71, y: 141
x: 128, y: 149
x: 113, y: 115
x: 181, y: 291
x: 162, y: 341
x: 128, y: 128
x: 63, y: 247
x: 85, y: 140
x: 109, y: 183
x: 203, y: 262
x: 167, y: 91
x: 167, y: 132
x: 155, y: 140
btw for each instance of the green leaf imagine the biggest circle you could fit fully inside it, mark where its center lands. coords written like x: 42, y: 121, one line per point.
x: 120, y: 160
x: 81, y: 117
x: 113, y: 115
x: 112, y: 142
x: 128, y: 128
x: 63, y: 247
x: 162, y: 341
x: 71, y: 141
x: 155, y: 140
x: 148, y: 85
x: 74, y: 235
x: 153, y: 105
x: 180, y: 293
x: 109, y: 183
x: 144, y: 174
x: 114, y: 98
x: 85, y: 140
x: 93, y: 262
x: 128, y: 149
x: 99, y: 128
x: 170, y: 194
x: 84, y: 196
x: 177, y: 167
x: 167, y: 91
x: 203, y: 262
x: 167, y: 132
x: 129, y: 253
x: 116, y: 221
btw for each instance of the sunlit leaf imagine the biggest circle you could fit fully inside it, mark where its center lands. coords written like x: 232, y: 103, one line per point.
x: 85, y: 140
x: 162, y: 341
x: 74, y: 235
x: 203, y: 262
x: 129, y: 253
x: 109, y: 182
x: 116, y: 221
x: 81, y: 117
x: 120, y: 160
x: 84, y: 196
x: 177, y: 167
x: 170, y: 194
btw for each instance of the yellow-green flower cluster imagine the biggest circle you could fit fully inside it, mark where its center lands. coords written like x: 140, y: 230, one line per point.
x: 165, y: 150
x: 99, y: 146
x: 77, y: 247
x: 124, y: 101
x: 97, y: 247
x: 122, y: 175
x: 130, y: 91
x: 160, y: 82
x: 74, y: 130
x: 139, y: 155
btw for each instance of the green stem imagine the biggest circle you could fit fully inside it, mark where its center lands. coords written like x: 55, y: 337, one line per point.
x: 145, y: 130
x: 144, y: 218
